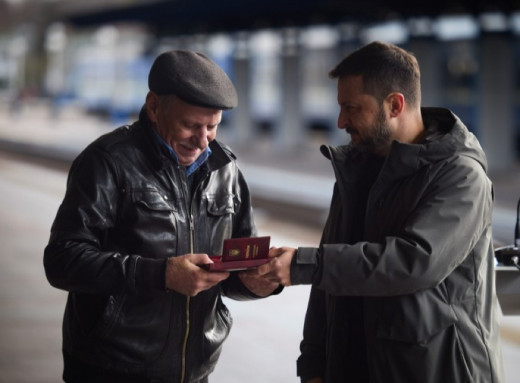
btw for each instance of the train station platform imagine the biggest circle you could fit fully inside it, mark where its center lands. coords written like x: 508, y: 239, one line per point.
x: 292, y: 180
x: 301, y: 179
x: 36, y: 129
x: 298, y: 183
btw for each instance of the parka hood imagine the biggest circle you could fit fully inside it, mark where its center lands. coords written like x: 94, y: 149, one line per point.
x: 452, y: 136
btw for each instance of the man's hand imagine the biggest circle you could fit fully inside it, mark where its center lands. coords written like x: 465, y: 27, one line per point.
x: 257, y: 284
x: 279, y: 269
x: 184, y: 276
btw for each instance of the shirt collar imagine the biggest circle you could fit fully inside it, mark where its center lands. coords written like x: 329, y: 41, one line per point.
x: 190, y: 169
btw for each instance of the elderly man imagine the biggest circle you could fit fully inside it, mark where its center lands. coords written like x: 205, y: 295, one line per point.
x: 145, y: 205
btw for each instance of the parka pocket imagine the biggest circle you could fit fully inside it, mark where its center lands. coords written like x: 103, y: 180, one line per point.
x: 440, y: 358
x: 417, y: 341
x: 415, y: 318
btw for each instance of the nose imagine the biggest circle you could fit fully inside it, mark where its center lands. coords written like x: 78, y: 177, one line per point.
x: 342, y: 120
x: 201, y: 137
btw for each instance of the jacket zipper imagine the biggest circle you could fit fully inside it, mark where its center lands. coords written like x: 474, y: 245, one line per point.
x: 188, y: 298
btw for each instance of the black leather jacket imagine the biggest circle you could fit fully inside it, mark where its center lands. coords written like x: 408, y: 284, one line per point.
x: 128, y: 207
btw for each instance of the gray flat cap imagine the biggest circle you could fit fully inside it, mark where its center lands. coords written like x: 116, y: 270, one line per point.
x: 194, y: 78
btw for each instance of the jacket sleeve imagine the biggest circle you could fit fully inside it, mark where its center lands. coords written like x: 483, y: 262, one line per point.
x: 74, y: 259
x: 243, y: 226
x: 243, y: 223
x: 436, y: 236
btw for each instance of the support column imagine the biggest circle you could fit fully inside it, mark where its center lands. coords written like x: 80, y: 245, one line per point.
x: 241, y: 120
x: 496, y: 128
x: 289, y: 130
x: 427, y: 53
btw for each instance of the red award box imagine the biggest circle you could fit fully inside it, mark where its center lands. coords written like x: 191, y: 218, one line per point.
x: 241, y: 254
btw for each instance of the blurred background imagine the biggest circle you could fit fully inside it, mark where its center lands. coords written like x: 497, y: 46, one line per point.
x: 72, y: 70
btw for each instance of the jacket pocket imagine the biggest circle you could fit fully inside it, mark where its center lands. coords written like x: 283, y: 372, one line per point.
x: 217, y: 327
x: 414, y: 318
x: 439, y: 359
x: 108, y: 318
x: 417, y: 341
x: 152, y: 223
x: 151, y: 199
x: 218, y: 219
x: 219, y: 205
x: 134, y: 329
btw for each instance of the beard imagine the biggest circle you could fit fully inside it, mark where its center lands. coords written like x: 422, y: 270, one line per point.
x: 379, y: 137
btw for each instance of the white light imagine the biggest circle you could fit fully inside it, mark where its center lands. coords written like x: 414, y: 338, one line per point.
x: 456, y: 27
x: 394, y: 32
x: 266, y: 42
x: 319, y: 37
x: 220, y: 45
x: 493, y: 22
x: 56, y: 38
x: 106, y: 35
x: 515, y: 23
x: 420, y: 26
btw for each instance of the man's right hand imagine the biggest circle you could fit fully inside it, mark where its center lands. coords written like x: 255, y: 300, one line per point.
x: 185, y: 277
x: 279, y: 268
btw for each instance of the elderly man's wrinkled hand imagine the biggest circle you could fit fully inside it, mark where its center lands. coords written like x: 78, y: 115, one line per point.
x: 258, y: 284
x: 185, y: 276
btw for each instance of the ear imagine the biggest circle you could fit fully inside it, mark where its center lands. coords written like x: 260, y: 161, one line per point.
x: 396, y: 103
x: 152, y: 106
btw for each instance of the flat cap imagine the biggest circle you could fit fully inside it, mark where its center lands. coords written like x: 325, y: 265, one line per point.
x: 194, y: 78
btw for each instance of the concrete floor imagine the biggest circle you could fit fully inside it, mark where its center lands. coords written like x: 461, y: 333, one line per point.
x: 31, y: 310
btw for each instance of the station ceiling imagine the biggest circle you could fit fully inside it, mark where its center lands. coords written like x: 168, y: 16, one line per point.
x: 206, y: 16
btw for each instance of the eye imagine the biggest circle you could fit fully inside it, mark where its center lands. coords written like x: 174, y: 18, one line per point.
x: 349, y: 108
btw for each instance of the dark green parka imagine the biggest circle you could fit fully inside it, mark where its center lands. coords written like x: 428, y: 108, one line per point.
x: 414, y: 300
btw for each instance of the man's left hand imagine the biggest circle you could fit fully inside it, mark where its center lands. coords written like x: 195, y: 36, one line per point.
x: 257, y: 284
